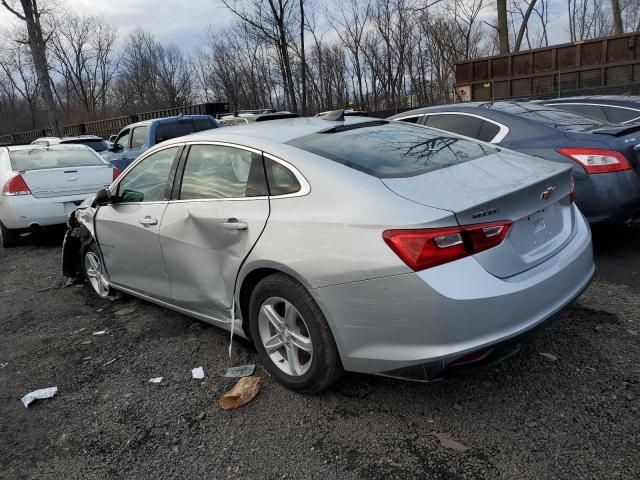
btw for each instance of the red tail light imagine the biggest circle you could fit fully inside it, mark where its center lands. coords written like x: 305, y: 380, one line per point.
x: 597, y: 160
x: 426, y: 248
x: 572, y: 191
x: 16, y: 186
x: 116, y: 173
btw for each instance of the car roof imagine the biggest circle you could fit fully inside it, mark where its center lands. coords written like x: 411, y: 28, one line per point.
x: 274, y: 131
x: 58, y: 146
x: 144, y: 123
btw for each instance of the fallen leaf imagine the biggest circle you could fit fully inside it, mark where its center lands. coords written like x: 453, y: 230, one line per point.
x: 125, y: 311
x: 447, y: 441
x: 244, y: 391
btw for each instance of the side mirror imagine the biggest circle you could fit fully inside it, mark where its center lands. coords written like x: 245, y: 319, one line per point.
x: 103, y: 197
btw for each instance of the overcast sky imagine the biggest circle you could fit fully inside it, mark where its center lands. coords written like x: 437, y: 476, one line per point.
x: 184, y: 22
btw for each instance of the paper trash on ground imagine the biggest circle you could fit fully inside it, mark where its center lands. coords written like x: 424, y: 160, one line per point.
x: 241, y: 371
x: 244, y: 391
x: 41, y: 394
x: 155, y: 380
x: 197, y: 373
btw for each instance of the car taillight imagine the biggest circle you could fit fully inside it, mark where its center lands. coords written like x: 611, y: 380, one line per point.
x: 426, y: 248
x: 116, y: 173
x: 572, y: 191
x: 16, y: 186
x: 597, y: 160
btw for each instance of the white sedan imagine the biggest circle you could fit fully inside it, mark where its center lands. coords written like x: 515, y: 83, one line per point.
x: 41, y: 185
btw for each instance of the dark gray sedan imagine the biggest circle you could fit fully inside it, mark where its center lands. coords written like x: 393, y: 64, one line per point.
x: 604, y: 157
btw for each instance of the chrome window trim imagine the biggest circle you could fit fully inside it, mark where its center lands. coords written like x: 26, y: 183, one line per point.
x: 410, y: 116
x: 502, y: 133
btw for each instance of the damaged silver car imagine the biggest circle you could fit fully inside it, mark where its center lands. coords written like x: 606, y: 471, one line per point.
x: 341, y: 243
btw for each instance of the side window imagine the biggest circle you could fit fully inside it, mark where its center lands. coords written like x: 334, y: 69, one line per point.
x: 147, y: 181
x: 122, y: 142
x: 139, y: 137
x: 460, y: 124
x: 410, y: 119
x: 488, y: 131
x: 281, y: 180
x: 215, y: 172
x: 619, y: 115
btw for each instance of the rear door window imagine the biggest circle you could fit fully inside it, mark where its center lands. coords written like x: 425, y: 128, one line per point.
x: 460, y: 124
x: 620, y: 115
x: 392, y: 149
x: 218, y: 172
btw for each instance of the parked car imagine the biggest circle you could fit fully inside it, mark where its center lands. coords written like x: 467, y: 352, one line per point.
x: 244, y: 118
x: 96, y: 143
x: 604, y: 157
x: 370, y: 246
x: 607, y: 108
x: 138, y: 137
x: 42, y: 185
x: 347, y: 113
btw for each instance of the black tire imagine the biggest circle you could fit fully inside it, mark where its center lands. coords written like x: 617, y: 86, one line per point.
x: 325, y: 368
x: 8, y: 238
x: 93, y: 249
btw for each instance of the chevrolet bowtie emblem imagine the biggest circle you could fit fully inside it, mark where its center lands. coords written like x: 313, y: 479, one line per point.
x: 546, y: 194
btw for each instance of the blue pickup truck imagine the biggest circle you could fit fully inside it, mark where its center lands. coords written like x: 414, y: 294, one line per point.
x: 138, y: 137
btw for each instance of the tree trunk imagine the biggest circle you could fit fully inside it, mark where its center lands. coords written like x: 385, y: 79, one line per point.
x: 503, y: 29
x: 617, y: 17
x: 37, y: 45
x: 525, y: 21
x: 303, y: 100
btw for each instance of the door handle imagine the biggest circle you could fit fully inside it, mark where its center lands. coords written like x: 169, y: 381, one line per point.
x: 234, y: 224
x: 148, y: 221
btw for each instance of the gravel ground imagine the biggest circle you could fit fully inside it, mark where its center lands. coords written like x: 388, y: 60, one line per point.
x: 572, y: 414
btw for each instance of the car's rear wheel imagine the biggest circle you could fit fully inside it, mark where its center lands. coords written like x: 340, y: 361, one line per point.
x: 8, y: 238
x: 292, y: 335
x: 94, y: 271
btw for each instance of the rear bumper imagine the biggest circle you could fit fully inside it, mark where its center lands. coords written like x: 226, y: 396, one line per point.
x: 27, y: 211
x: 438, y: 315
x: 609, y: 197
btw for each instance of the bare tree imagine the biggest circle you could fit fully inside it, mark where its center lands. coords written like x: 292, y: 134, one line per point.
x: 503, y: 29
x: 617, y: 17
x: 20, y: 77
x: 30, y: 15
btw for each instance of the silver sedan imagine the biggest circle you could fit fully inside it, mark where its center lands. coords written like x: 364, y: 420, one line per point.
x: 341, y: 243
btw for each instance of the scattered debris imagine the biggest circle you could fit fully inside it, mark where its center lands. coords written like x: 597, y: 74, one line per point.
x: 201, y: 416
x: 11, y: 291
x: 632, y: 332
x: 549, y: 356
x: 45, y: 289
x: 197, y: 373
x: 86, y: 342
x: 78, y: 331
x: 109, y: 362
x: 41, y: 394
x: 241, y: 371
x: 447, y: 441
x: 125, y: 311
x: 100, y: 332
x: 100, y: 310
x: 2, y: 365
x: 155, y: 380
x: 244, y: 391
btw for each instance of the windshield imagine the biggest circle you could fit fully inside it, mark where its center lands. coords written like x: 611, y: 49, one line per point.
x: 42, y: 158
x: 97, y: 145
x: 392, y: 149
x: 548, y: 116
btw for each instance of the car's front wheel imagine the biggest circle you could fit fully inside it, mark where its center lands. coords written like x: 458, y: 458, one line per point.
x: 292, y: 335
x: 94, y: 271
x: 8, y: 238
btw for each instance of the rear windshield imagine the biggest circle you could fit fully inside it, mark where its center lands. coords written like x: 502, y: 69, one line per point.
x: 39, y: 159
x: 392, y: 149
x: 97, y: 145
x: 167, y: 131
x: 548, y: 116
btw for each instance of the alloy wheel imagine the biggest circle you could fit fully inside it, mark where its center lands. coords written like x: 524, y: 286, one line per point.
x: 95, y: 274
x: 285, y: 336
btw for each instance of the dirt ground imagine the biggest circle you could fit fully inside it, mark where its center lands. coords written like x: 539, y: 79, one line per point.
x: 571, y: 414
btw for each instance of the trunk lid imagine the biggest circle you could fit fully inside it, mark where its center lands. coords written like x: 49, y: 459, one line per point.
x: 530, y: 192
x: 59, y: 182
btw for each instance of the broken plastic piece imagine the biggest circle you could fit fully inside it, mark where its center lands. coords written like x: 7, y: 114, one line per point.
x: 101, y: 332
x: 197, y: 373
x: 41, y: 394
x: 155, y: 380
x: 241, y: 371
x: 244, y: 391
